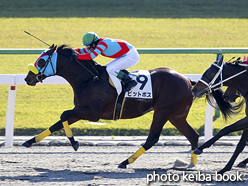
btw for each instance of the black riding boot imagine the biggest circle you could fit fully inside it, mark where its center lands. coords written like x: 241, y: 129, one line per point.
x: 129, y: 83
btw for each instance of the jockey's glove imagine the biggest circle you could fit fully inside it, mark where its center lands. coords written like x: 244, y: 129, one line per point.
x: 74, y: 56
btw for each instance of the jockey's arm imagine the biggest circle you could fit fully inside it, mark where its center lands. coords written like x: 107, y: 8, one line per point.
x: 82, y: 50
x: 89, y: 56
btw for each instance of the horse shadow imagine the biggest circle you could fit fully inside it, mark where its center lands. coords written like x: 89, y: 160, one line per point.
x: 49, y: 175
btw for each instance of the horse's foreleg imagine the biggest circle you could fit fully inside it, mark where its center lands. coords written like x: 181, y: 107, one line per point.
x: 57, y: 126
x: 243, y: 163
x: 76, y: 113
x: 69, y: 135
x: 240, y: 147
x: 239, y: 125
x: 37, y: 139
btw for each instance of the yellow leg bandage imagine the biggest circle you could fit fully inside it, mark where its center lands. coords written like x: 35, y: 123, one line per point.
x: 193, y: 158
x: 42, y: 135
x: 68, y: 131
x: 137, y: 154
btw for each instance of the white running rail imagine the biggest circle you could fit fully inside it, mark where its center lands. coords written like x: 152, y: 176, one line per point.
x: 13, y: 80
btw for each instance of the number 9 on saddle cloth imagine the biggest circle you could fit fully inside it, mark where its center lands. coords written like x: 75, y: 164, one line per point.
x: 142, y: 90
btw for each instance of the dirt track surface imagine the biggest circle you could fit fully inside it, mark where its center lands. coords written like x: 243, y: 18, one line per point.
x: 97, y: 165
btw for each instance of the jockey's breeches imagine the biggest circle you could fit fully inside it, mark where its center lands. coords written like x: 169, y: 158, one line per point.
x: 129, y: 60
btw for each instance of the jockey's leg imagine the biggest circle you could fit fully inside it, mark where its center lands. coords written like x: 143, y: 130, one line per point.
x: 115, y: 66
x: 129, y: 83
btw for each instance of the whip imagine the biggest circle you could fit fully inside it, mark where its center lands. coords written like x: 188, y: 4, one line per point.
x: 37, y: 38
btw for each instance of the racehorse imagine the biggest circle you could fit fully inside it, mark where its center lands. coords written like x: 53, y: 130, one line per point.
x: 94, y: 98
x: 231, y: 94
x: 233, y: 75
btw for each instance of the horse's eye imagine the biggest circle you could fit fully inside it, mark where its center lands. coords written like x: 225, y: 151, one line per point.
x: 41, y: 63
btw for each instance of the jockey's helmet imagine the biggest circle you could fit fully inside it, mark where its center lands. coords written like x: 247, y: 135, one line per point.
x: 90, y: 37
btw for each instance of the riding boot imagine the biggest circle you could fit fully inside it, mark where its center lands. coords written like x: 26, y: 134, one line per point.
x: 129, y: 83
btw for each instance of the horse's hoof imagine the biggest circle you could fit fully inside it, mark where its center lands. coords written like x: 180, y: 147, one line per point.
x: 121, y: 166
x: 26, y: 144
x: 75, y: 146
x: 197, y: 152
x: 221, y: 172
x: 241, y: 165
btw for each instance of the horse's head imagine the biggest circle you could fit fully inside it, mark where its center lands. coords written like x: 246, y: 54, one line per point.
x: 208, y: 85
x: 44, y: 66
x: 208, y: 79
x: 231, y: 94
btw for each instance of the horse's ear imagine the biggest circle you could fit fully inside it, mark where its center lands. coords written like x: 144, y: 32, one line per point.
x: 220, y: 61
x: 55, y: 48
x: 219, y: 55
x: 52, y: 49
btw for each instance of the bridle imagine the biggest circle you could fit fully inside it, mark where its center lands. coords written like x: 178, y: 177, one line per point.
x: 211, y: 86
x: 41, y: 76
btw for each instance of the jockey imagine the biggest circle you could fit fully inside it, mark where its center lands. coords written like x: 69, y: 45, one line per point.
x: 125, y: 55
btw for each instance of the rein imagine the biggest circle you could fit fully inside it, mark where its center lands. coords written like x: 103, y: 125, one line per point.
x: 235, y: 75
x: 41, y: 76
x: 211, y: 85
x: 95, y: 76
x: 64, y: 67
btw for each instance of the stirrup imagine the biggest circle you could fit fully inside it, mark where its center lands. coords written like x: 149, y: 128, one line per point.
x: 129, y: 85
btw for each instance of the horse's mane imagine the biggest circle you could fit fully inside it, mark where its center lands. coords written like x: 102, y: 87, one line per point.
x: 227, y: 109
x: 66, y: 50
x: 236, y: 62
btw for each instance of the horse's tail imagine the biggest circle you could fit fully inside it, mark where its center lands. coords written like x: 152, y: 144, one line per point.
x: 227, y: 109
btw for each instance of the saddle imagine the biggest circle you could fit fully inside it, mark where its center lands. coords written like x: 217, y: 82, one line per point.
x: 120, y: 100
x: 143, y: 90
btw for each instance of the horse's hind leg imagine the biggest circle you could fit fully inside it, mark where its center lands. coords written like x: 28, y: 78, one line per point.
x: 153, y: 137
x: 240, y: 147
x: 184, y: 128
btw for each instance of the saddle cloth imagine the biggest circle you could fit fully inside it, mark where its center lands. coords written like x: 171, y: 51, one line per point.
x: 142, y: 90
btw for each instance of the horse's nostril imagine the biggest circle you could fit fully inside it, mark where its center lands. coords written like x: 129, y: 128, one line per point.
x: 27, y: 80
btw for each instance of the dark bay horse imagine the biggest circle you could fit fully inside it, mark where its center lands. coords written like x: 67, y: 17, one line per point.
x: 231, y: 94
x: 94, y: 99
x: 234, y: 75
